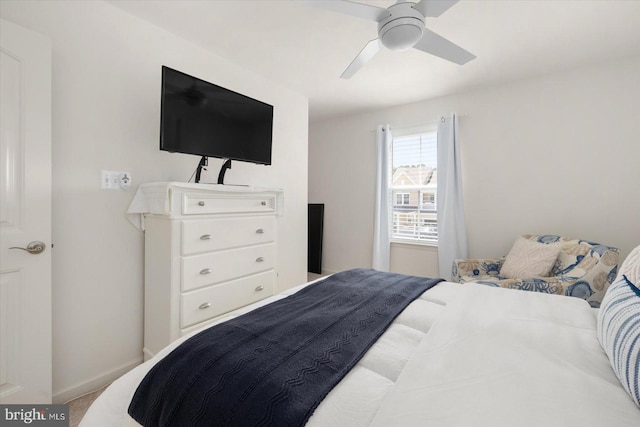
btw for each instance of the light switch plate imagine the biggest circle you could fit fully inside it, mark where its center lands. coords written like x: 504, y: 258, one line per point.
x: 115, y: 180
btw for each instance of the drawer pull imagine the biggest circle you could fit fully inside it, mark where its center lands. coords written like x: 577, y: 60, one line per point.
x: 205, y: 237
x: 259, y: 288
x: 263, y: 203
x: 204, y: 305
x: 260, y: 231
x: 205, y: 271
x: 201, y: 203
x: 259, y: 259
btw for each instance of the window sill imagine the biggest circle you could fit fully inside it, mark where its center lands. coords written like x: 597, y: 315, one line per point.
x: 414, y: 244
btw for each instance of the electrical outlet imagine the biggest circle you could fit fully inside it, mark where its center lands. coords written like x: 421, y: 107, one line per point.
x: 124, y: 181
x: 112, y: 180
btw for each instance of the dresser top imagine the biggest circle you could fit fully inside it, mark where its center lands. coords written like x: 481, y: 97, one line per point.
x: 156, y: 197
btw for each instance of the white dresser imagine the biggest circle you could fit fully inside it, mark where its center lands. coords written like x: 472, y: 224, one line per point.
x: 209, y: 250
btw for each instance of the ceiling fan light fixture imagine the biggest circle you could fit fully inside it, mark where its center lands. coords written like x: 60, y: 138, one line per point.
x: 401, y: 34
x: 403, y: 28
x: 400, y: 27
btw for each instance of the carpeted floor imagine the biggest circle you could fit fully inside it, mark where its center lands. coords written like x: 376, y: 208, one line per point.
x: 314, y: 276
x: 78, y: 406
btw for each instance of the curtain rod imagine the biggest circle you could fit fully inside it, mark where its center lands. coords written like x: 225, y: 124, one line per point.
x: 421, y: 123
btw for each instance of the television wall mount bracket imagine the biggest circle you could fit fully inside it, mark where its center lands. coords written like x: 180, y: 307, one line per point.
x: 204, y: 161
x: 226, y: 165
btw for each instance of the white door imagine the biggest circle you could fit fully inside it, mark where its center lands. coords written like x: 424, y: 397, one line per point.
x: 25, y: 216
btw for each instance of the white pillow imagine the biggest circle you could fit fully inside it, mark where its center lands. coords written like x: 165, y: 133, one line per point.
x: 529, y: 259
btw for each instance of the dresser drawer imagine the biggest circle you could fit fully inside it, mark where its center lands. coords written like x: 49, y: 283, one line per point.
x: 206, y: 269
x: 222, y: 233
x: 207, y: 303
x: 194, y: 204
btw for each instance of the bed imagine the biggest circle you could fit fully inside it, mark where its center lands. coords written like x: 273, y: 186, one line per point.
x: 471, y: 355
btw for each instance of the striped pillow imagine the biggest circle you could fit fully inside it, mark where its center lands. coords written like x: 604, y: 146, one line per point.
x: 619, y: 332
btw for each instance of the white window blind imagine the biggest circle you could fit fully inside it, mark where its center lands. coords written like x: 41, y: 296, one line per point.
x: 413, y: 185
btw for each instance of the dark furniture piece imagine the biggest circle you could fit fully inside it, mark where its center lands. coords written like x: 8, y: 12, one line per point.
x: 314, y: 252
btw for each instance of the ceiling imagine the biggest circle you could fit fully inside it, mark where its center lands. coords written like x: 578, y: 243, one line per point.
x: 306, y: 48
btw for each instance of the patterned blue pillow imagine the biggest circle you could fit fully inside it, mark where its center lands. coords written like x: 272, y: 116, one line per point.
x: 619, y: 332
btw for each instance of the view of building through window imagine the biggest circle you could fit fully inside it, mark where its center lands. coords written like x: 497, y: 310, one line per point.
x: 414, y: 188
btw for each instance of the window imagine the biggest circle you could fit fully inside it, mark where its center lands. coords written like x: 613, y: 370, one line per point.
x: 427, y: 200
x: 413, y: 185
x: 402, y: 198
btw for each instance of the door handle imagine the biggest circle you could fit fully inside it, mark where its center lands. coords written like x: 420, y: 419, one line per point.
x: 34, y: 248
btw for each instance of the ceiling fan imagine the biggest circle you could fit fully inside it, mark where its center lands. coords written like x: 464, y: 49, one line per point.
x: 400, y: 27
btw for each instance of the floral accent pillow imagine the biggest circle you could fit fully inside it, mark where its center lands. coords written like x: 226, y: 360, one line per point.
x: 619, y: 332
x: 631, y: 267
x: 529, y: 259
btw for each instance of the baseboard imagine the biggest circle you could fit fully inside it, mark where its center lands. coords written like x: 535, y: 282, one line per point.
x: 95, y: 383
x: 146, y: 354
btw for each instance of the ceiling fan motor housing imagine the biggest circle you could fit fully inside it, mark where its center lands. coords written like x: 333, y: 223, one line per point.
x: 402, y: 29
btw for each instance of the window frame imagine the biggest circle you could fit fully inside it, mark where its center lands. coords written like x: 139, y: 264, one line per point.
x: 399, y: 133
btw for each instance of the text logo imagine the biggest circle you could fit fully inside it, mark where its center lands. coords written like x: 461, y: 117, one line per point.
x: 34, y: 415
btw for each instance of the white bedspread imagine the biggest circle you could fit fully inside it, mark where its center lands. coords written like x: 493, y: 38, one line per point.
x: 500, y: 357
x: 461, y: 355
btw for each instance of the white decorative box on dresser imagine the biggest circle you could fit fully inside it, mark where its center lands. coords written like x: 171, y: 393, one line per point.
x: 209, y: 249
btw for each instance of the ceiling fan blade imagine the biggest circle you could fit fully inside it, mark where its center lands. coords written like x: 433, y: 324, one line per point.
x: 359, y: 10
x: 367, y: 52
x: 434, y: 8
x: 439, y: 46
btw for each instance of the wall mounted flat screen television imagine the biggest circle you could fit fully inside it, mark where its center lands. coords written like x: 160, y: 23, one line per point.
x: 201, y: 118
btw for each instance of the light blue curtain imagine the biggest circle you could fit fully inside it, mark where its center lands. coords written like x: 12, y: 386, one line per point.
x: 381, y: 248
x: 452, y: 233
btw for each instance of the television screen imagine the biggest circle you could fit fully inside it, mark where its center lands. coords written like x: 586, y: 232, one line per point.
x: 201, y: 118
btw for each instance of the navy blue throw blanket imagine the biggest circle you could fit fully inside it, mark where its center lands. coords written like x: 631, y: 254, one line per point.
x: 274, y: 365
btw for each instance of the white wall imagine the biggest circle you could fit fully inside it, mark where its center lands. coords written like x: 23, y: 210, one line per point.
x: 556, y: 154
x: 106, y: 109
